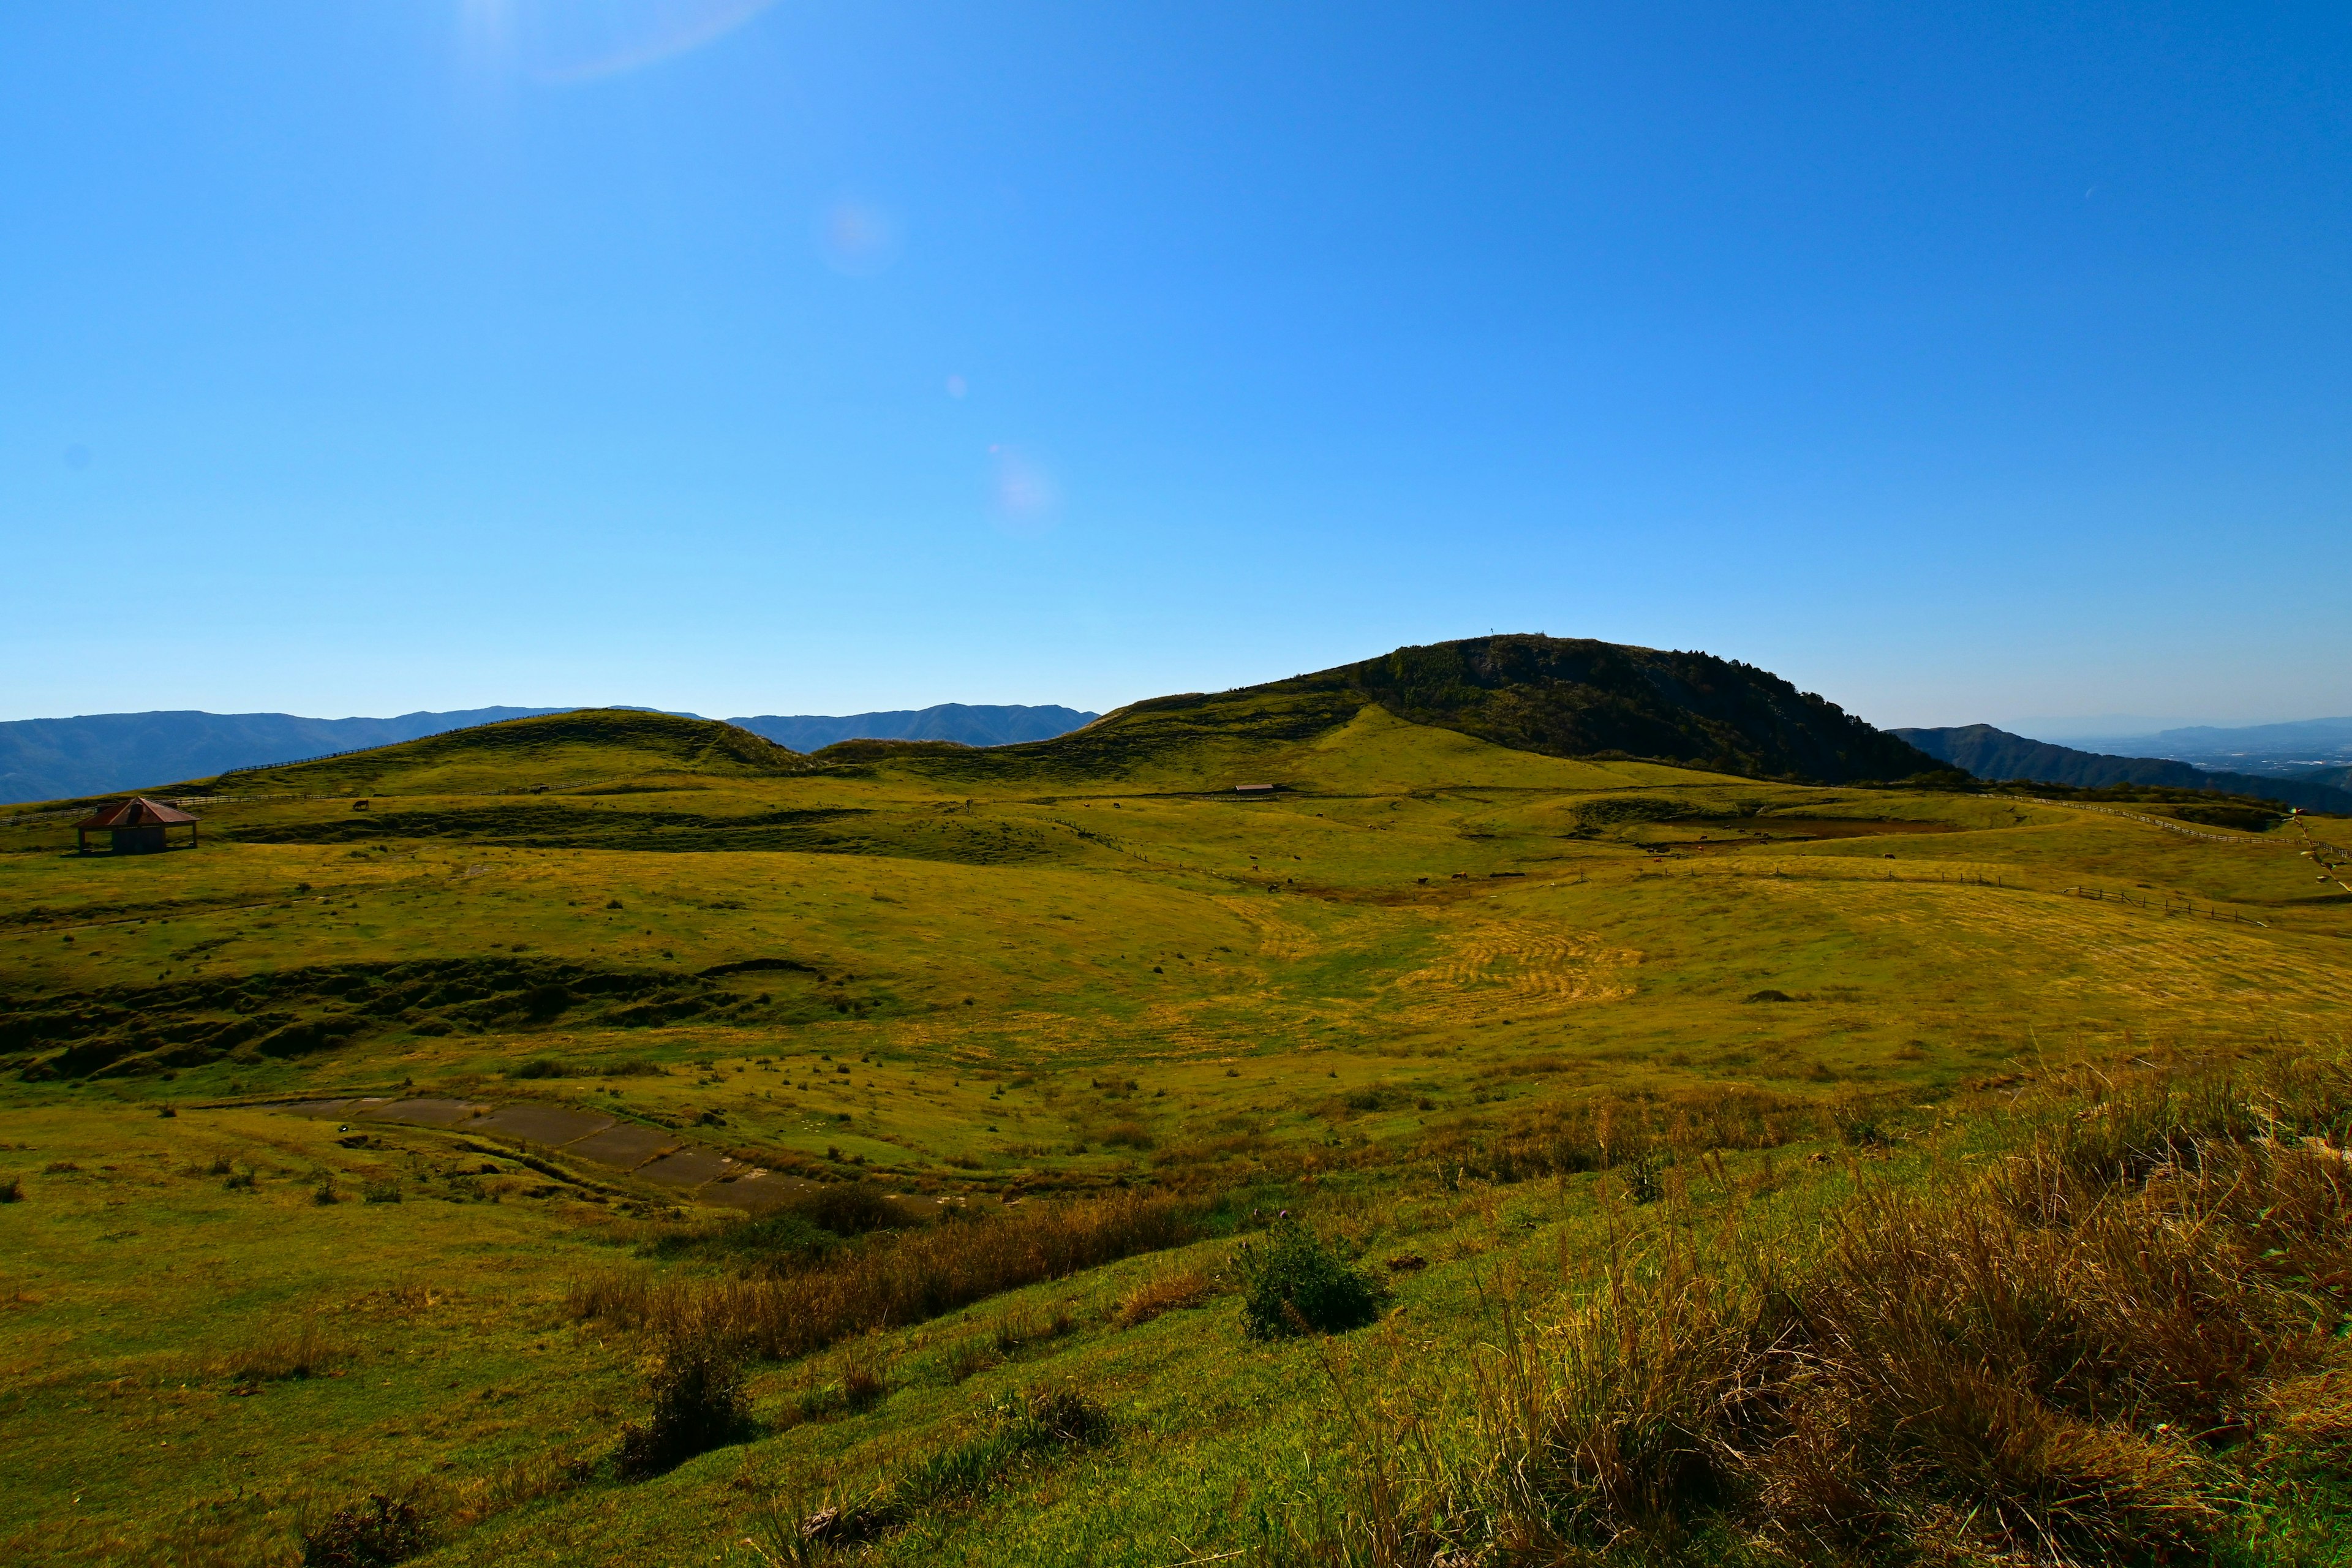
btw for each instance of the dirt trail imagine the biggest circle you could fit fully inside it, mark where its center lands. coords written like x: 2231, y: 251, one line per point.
x: 649, y: 1153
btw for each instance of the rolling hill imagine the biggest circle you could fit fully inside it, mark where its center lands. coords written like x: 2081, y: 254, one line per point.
x: 1554, y: 697
x: 577, y: 749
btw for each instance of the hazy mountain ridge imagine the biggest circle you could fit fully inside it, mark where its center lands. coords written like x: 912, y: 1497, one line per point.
x: 51, y: 759
x: 967, y: 724
x: 95, y: 754
x: 1996, y: 754
x: 2302, y: 747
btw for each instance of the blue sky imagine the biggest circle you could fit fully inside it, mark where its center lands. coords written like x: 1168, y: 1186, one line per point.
x: 1957, y: 362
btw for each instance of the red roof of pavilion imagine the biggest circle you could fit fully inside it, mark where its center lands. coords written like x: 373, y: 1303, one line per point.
x: 137, y: 812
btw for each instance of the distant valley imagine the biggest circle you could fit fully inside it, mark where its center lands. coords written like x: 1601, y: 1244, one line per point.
x: 1991, y: 754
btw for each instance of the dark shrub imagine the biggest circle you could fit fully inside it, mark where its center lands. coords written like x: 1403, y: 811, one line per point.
x: 538, y: 1067
x: 699, y: 1404
x: 1296, y: 1284
x: 541, y: 1002
x: 782, y: 1240
x: 370, y: 1534
x: 2239, y: 818
x: 850, y: 1208
x: 12, y: 1190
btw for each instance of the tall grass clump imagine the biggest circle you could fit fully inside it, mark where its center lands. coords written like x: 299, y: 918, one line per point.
x: 698, y: 1403
x: 291, y: 1356
x: 2082, y: 1356
x: 892, y: 1279
x: 374, y: 1533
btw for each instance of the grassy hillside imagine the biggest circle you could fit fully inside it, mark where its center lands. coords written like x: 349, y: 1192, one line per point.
x: 1034, y: 1045
x: 1575, y: 697
x: 559, y: 751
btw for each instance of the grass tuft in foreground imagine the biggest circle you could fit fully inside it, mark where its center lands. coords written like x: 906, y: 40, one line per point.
x: 2092, y: 1354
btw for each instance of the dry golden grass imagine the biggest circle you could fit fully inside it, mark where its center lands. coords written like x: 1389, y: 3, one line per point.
x: 2059, y: 1361
x: 893, y: 1280
x: 304, y: 1351
x: 1165, y: 1293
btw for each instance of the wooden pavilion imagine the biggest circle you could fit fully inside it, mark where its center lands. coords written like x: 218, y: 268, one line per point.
x: 137, y: 826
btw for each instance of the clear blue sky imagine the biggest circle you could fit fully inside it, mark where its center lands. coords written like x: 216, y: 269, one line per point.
x: 1957, y: 362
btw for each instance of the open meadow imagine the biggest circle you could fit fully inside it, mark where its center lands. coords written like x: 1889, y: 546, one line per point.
x: 415, y: 1134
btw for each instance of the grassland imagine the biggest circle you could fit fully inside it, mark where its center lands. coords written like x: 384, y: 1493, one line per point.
x: 1421, y: 991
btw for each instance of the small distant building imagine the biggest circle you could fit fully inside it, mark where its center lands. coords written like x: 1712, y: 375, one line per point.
x: 137, y: 826
x: 1252, y: 789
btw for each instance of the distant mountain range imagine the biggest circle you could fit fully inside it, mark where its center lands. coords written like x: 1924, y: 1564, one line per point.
x: 50, y: 758
x: 2300, y: 749
x: 973, y: 726
x: 55, y: 759
x: 1997, y: 754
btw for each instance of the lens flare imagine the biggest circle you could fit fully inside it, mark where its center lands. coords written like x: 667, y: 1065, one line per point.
x: 1027, y: 500
x: 857, y: 239
x: 569, y: 41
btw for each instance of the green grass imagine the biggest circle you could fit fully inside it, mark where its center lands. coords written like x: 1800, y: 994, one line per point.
x: 1074, y: 968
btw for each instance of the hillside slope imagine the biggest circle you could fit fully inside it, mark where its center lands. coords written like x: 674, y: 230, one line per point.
x: 1991, y: 754
x: 1577, y: 697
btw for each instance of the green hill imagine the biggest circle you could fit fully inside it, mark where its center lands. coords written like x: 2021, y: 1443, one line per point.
x: 1575, y: 697
x: 559, y: 751
x: 1553, y: 696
